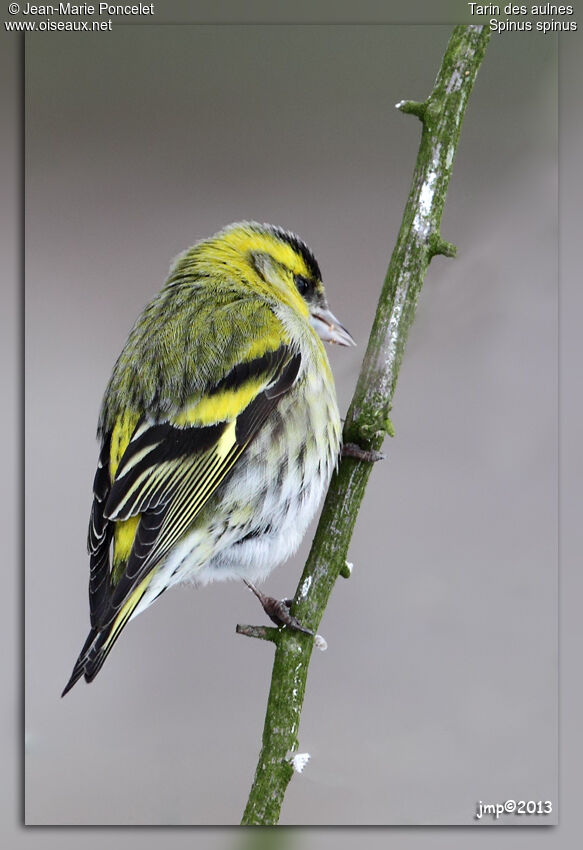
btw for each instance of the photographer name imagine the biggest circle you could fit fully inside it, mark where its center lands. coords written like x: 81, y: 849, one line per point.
x: 88, y: 9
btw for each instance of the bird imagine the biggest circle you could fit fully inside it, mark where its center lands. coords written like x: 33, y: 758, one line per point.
x: 219, y: 428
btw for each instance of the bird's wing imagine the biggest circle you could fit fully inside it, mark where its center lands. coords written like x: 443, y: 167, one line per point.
x: 170, y: 469
x: 99, y: 538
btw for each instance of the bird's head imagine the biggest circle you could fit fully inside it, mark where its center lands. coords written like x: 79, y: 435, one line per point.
x: 280, y: 265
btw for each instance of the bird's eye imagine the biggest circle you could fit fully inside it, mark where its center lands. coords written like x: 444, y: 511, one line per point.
x: 303, y: 285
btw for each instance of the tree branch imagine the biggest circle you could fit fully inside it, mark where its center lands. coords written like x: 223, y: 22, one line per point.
x: 367, y: 420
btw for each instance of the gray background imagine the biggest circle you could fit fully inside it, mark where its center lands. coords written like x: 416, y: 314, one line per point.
x: 439, y: 685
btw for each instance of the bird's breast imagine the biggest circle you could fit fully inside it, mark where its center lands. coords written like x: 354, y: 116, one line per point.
x: 274, y: 492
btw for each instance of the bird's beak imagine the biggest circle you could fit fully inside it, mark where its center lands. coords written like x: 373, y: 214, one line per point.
x: 329, y: 328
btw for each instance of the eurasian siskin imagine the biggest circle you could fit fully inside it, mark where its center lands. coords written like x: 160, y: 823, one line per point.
x: 219, y: 428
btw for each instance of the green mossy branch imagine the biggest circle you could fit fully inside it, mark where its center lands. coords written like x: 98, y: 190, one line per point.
x: 367, y: 421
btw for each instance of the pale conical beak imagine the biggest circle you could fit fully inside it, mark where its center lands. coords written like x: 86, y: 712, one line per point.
x: 329, y: 328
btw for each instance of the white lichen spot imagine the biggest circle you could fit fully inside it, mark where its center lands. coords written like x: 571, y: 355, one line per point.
x: 454, y: 82
x: 393, y: 335
x: 427, y: 193
x: 449, y: 156
x: 422, y: 219
x: 320, y: 643
x: 299, y: 761
x: 349, y: 567
x: 306, y: 585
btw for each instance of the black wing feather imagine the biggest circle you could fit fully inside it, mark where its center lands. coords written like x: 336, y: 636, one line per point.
x: 99, y: 538
x: 163, y: 442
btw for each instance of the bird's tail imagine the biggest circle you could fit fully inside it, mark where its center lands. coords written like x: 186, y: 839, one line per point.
x: 101, y: 639
x: 92, y: 657
x: 79, y: 668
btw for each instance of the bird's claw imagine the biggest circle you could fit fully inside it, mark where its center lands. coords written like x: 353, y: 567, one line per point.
x: 366, y: 455
x: 278, y: 610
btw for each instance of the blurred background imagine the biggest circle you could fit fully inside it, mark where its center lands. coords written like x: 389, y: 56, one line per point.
x: 439, y: 685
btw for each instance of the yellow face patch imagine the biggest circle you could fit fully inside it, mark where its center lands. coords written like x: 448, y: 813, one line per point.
x: 248, y: 241
x: 236, y: 247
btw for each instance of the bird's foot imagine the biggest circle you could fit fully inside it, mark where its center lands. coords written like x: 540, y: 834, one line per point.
x: 278, y: 610
x: 367, y: 455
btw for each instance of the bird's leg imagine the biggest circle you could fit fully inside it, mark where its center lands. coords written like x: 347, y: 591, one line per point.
x: 278, y: 610
x: 369, y: 456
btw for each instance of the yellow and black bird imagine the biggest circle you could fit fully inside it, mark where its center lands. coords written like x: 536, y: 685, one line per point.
x: 219, y: 428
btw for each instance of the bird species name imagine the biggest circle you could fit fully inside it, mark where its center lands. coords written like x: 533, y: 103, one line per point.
x: 498, y: 25
x: 514, y: 9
